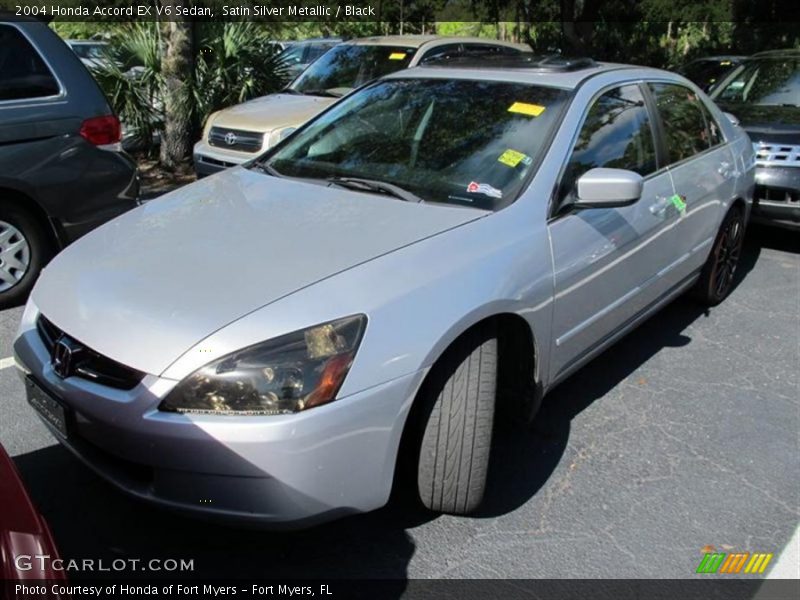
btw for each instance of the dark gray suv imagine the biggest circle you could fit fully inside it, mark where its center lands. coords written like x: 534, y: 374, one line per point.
x: 62, y: 169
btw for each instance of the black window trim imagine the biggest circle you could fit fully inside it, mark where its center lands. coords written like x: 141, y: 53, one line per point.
x: 20, y: 102
x: 553, y: 212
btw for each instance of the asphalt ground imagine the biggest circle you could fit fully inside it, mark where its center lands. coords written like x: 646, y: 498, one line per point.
x: 683, y: 436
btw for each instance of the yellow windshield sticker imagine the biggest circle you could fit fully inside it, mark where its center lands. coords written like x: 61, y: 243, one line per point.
x: 523, y: 108
x: 512, y: 158
x: 397, y: 56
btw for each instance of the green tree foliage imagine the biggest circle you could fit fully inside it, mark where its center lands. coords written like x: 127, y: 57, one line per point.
x: 233, y: 63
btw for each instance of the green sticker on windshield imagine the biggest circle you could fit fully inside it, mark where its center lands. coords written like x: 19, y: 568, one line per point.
x: 679, y: 202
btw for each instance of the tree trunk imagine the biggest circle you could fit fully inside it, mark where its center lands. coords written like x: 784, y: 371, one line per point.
x: 178, y: 69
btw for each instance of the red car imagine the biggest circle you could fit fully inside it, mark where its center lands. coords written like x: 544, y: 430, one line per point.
x: 24, y: 534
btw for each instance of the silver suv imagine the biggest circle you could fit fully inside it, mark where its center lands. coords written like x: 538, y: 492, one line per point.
x: 270, y: 344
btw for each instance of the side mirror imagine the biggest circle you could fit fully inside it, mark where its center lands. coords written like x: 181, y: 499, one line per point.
x: 608, y: 188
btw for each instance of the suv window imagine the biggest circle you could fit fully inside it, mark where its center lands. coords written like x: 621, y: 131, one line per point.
x: 23, y: 73
x: 682, y: 114
x: 616, y: 134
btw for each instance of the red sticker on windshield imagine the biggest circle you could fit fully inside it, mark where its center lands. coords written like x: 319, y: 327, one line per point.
x: 484, y: 188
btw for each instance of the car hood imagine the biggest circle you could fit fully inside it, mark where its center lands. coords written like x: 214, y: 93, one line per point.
x: 269, y: 112
x: 147, y: 286
x: 776, y: 124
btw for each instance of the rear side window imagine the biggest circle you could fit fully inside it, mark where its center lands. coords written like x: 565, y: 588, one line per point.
x: 684, y: 121
x: 616, y: 134
x: 23, y: 73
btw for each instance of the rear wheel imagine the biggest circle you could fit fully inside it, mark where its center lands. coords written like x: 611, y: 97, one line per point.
x: 24, y: 249
x: 716, y: 278
x: 456, y: 421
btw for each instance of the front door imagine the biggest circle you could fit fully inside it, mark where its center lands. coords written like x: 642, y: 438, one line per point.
x: 607, y: 260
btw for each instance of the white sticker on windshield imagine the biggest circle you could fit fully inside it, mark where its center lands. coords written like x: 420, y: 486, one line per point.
x: 484, y: 188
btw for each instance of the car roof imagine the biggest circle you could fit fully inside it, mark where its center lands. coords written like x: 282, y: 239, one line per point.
x: 721, y: 57
x: 790, y: 52
x: 331, y: 40
x: 565, y: 79
x: 416, y: 41
x: 87, y: 42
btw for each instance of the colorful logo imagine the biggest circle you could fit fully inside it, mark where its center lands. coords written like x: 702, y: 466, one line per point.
x: 734, y: 563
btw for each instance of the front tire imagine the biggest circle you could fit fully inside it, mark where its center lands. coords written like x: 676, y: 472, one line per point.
x: 457, y: 423
x: 24, y: 250
x: 716, y: 277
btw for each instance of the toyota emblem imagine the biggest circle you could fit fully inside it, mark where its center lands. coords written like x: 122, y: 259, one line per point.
x: 230, y: 138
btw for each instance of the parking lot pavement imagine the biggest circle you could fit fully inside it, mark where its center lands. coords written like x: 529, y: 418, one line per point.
x: 682, y: 436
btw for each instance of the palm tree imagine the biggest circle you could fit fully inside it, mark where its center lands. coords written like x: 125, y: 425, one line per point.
x: 178, y: 72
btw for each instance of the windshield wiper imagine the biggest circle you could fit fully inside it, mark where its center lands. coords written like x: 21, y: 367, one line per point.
x: 291, y: 91
x: 264, y: 168
x: 370, y: 185
x: 326, y: 93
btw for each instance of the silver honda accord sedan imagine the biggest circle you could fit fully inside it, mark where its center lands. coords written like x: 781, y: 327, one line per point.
x: 286, y: 341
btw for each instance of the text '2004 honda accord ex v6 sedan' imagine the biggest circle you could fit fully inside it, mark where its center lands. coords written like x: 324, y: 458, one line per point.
x: 285, y: 341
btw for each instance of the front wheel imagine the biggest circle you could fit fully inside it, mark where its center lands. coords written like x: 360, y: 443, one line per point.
x: 716, y: 277
x: 457, y: 424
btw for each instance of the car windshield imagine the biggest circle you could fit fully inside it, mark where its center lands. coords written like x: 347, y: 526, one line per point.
x: 764, y: 82
x: 348, y: 66
x: 456, y: 141
x: 705, y: 73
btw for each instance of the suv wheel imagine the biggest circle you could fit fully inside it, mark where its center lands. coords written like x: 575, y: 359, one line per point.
x: 716, y: 278
x: 457, y: 417
x: 23, y: 252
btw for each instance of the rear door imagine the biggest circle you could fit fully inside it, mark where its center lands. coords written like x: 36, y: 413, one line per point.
x: 608, y: 261
x: 702, y: 166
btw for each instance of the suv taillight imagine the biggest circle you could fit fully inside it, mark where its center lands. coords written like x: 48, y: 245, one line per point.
x: 101, y: 131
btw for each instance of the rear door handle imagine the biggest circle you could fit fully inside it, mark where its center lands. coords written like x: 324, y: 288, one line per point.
x: 659, y: 207
x: 726, y: 170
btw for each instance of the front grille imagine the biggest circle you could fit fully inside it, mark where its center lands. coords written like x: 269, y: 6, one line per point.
x: 217, y: 163
x: 235, y: 139
x: 89, y: 364
x: 773, y: 194
x: 776, y: 155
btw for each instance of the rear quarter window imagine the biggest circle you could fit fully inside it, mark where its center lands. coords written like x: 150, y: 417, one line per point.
x: 23, y: 72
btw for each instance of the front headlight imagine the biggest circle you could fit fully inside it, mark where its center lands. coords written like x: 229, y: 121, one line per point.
x: 278, y: 135
x: 291, y: 373
x: 209, y: 122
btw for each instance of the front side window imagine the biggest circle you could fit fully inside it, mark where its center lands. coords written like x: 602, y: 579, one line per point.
x: 349, y: 66
x: 23, y: 73
x: 616, y: 134
x: 463, y: 142
x: 682, y: 115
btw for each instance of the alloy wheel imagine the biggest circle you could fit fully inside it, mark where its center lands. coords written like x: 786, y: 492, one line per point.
x: 15, y: 256
x: 729, y: 250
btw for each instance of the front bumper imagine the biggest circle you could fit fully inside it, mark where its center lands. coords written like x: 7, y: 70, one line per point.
x: 209, y: 159
x: 294, y: 470
x: 777, y: 196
